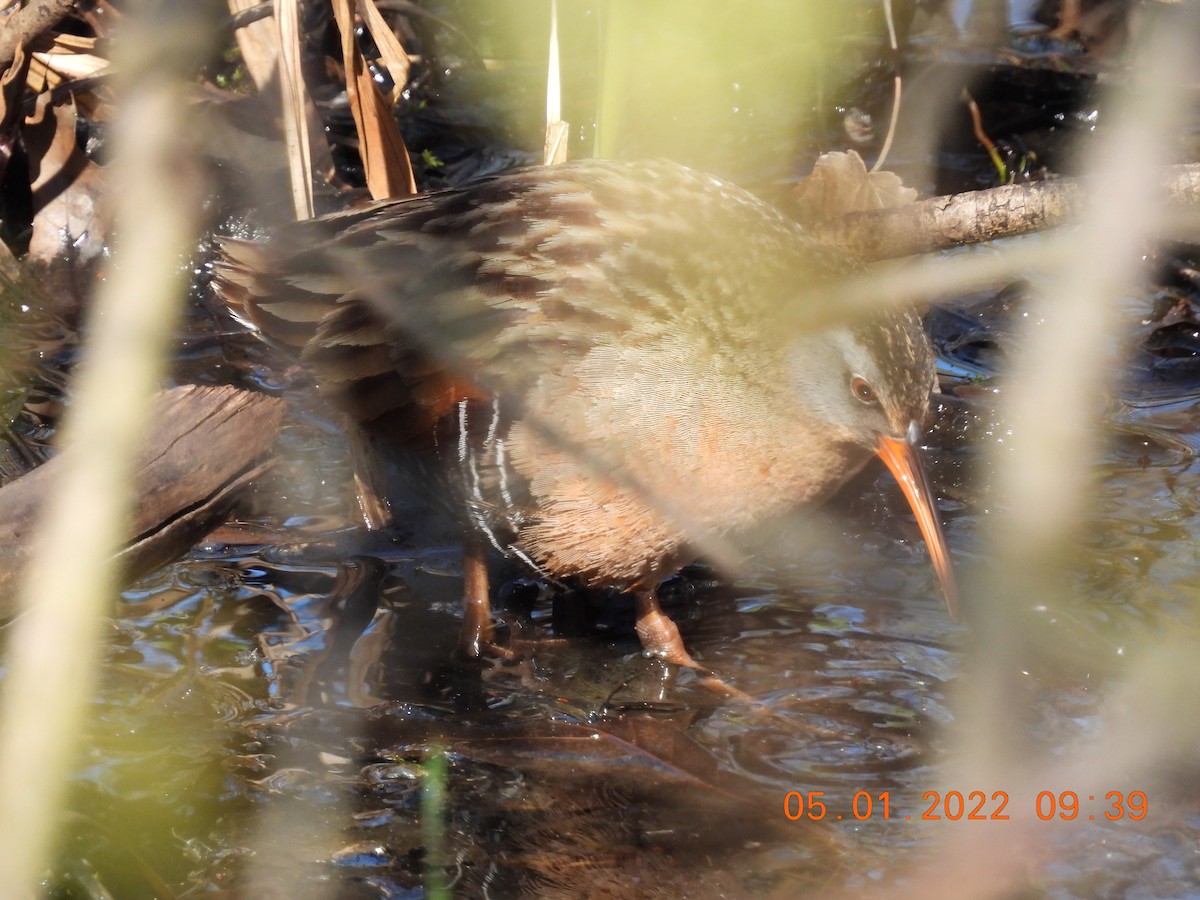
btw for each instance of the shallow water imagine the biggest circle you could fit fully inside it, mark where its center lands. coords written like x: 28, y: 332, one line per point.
x: 259, y: 734
x: 253, y: 736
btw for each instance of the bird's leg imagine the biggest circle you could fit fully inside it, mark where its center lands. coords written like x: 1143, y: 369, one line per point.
x: 1069, y: 15
x: 370, y: 483
x: 476, y: 633
x: 658, y: 634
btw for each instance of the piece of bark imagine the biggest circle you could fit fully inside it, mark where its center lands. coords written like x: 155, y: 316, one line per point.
x: 977, y: 216
x: 208, y: 443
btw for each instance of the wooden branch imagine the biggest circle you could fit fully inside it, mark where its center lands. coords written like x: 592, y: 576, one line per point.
x: 28, y: 23
x: 208, y: 443
x: 976, y: 216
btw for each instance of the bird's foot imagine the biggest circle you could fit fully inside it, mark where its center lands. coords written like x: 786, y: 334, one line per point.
x: 477, y: 631
x: 660, y: 639
x: 489, y: 650
x: 477, y: 639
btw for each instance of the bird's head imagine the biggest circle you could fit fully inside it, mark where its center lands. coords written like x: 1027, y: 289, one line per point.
x: 869, y: 383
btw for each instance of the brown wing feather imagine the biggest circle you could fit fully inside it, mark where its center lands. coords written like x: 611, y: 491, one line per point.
x: 365, y: 366
x: 404, y: 308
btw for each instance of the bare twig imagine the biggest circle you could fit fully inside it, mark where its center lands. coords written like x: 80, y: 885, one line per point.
x: 976, y: 216
x: 982, y: 136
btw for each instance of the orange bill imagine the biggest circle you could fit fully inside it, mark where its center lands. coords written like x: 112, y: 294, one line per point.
x: 901, y: 457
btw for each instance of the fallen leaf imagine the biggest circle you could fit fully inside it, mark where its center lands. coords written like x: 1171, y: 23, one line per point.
x: 70, y: 226
x: 840, y: 184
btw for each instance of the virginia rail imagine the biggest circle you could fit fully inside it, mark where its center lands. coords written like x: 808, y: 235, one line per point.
x: 600, y: 355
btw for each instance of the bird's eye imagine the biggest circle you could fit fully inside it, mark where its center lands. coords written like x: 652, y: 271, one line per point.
x: 862, y: 390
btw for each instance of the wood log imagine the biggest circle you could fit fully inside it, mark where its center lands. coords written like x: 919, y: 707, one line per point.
x: 207, y: 444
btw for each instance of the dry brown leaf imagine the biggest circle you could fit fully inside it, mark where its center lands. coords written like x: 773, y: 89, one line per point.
x: 70, y: 225
x: 56, y: 59
x: 392, y: 54
x: 385, y: 158
x: 57, y: 42
x: 12, y: 92
x: 840, y: 184
x: 50, y: 70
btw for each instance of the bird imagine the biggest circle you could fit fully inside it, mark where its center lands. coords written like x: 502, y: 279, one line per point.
x: 600, y: 363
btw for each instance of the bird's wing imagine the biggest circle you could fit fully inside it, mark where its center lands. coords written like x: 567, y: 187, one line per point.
x: 405, y: 307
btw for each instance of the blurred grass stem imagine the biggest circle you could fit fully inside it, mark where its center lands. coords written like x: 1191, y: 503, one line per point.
x: 1061, y: 375
x: 433, y: 823
x: 1064, y: 366
x: 71, y: 580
